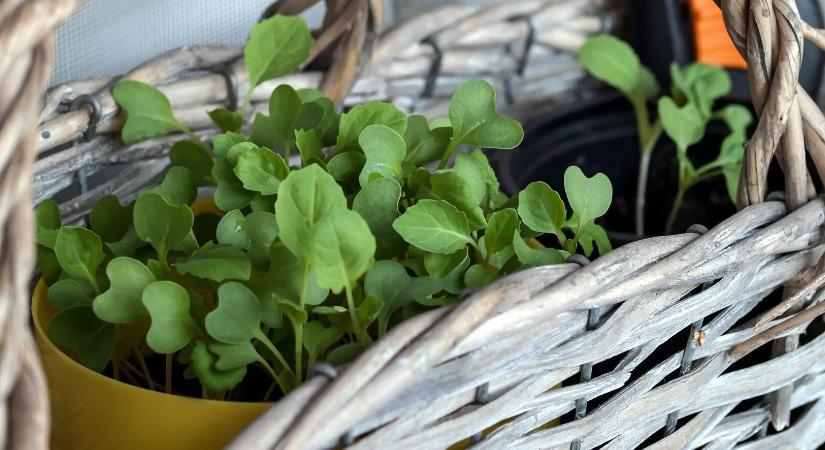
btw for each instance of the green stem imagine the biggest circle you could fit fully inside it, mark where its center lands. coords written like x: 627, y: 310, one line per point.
x: 677, y: 204
x: 246, y: 100
x: 260, y: 336
x: 647, y: 142
x: 299, y: 329
x: 281, y: 383
x: 360, y: 336
x: 144, y: 368
x: 448, y: 153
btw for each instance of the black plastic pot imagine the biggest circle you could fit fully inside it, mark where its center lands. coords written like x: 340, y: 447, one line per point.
x: 601, y: 136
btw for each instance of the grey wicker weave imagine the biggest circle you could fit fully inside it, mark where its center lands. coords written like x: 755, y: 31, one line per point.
x: 489, y: 369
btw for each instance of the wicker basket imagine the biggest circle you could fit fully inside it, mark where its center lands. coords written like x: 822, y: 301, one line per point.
x: 493, y: 360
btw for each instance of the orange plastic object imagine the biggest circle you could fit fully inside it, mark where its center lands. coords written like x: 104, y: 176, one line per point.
x: 92, y: 411
x: 711, y: 40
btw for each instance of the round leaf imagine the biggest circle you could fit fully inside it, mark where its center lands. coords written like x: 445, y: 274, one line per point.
x: 79, y: 252
x: 276, y: 46
x: 476, y: 122
x: 122, y: 302
x: 589, y: 198
x: 172, y: 326
x: 342, y: 249
x: 541, y: 208
x: 88, y: 338
x: 435, y: 226
x: 238, y: 315
x: 611, y: 60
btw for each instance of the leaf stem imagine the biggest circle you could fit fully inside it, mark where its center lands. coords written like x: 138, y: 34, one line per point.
x: 281, y: 383
x: 299, y: 328
x: 144, y: 367
x: 677, y: 204
x: 448, y: 153
x: 260, y: 336
x: 647, y: 142
x: 246, y: 100
x: 360, y: 336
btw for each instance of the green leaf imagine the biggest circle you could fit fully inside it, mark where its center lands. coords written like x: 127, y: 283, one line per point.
x: 264, y: 132
x: 389, y: 282
x: 47, y: 215
x: 368, y: 311
x: 736, y: 117
x: 261, y: 231
x: 69, y: 293
x: 172, y: 327
x: 377, y: 203
x: 161, y: 224
x: 423, y: 144
x: 260, y: 170
x: 79, y: 252
x: 455, y: 190
x: 476, y: 122
x: 342, y: 249
x: 384, y: 150
x: 435, y: 226
x: 238, y: 315
x: 212, y: 378
x: 305, y: 197
x: 541, y: 208
x: 309, y: 145
x: 231, y: 230
x: 453, y: 282
x: 225, y: 119
x: 684, y: 125
x: 611, y: 60
x: 731, y: 174
x: 271, y: 314
x: 194, y: 157
x: 346, y: 167
x: 277, y: 46
x: 646, y: 86
x: 285, y: 278
x: 439, y: 265
x: 297, y: 316
x: 230, y: 193
x: 361, y: 116
x: 47, y: 223
x: 109, y: 219
x: 47, y: 264
x: 478, y: 276
x: 700, y: 85
x: 594, y: 233
x: 327, y: 127
x: 223, y: 142
x: 90, y: 340
x: 317, y: 338
x: 288, y: 113
x: 178, y: 186
x: 122, y: 302
x: 148, y: 111
x: 499, y: 232
x: 474, y: 168
x: 589, y: 198
x: 537, y: 256
x: 216, y: 263
x: 233, y: 356
x: 345, y: 354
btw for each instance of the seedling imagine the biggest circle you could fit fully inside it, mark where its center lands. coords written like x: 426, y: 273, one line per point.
x: 313, y: 257
x: 683, y: 115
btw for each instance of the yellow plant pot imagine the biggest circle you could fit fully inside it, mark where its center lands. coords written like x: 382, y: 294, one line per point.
x: 93, y: 411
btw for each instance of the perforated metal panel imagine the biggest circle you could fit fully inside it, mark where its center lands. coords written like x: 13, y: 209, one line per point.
x: 109, y: 37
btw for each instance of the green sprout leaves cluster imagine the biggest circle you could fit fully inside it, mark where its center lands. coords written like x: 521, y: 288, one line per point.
x: 328, y: 230
x: 683, y: 115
